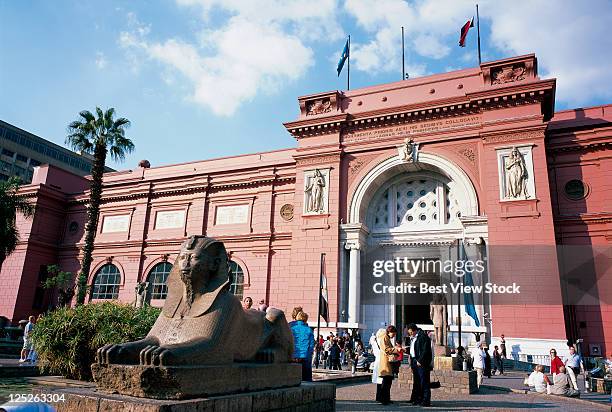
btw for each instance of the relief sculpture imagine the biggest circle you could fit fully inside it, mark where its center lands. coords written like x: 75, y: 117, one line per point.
x: 516, y: 175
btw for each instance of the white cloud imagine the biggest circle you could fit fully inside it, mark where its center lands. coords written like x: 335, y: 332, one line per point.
x: 259, y: 47
x: 133, y: 41
x: 101, y: 61
x: 571, y: 39
x: 245, y: 47
x: 426, y: 24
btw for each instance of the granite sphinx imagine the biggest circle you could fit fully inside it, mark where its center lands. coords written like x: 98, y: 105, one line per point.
x: 202, y: 325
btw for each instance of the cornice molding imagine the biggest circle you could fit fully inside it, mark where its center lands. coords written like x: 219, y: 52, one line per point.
x: 473, y: 103
x: 577, y: 147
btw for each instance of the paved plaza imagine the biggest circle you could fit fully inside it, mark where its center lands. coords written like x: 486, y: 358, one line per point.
x: 360, y: 397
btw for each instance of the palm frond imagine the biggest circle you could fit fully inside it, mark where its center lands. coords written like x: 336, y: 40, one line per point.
x: 24, y: 207
x: 122, y: 122
x: 79, y: 141
x: 108, y: 118
x: 87, y: 115
x: 10, y: 237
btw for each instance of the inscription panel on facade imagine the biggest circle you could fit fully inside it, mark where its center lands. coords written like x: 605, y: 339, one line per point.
x: 170, y: 219
x: 232, y: 215
x: 413, y: 128
x: 116, y: 224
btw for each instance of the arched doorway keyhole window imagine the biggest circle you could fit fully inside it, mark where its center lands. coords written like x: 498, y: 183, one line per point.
x: 415, y: 201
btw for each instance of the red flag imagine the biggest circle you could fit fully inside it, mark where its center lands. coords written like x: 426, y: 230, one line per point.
x: 464, y: 31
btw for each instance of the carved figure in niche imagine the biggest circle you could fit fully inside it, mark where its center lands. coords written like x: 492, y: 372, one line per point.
x: 516, y: 175
x: 141, y: 293
x: 437, y: 313
x: 409, y: 151
x: 315, y: 191
x: 202, y: 322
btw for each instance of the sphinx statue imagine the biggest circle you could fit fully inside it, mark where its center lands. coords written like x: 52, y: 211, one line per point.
x: 202, y: 324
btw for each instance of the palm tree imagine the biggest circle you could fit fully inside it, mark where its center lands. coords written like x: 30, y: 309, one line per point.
x: 97, y: 135
x: 10, y: 204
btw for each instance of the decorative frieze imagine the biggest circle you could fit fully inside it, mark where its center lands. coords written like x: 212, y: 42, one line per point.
x: 511, y: 70
x: 318, y: 104
x: 315, y: 160
x: 508, y: 74
x: 510, y: 137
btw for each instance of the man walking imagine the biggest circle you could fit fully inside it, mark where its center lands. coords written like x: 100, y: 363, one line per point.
x: 420, y: 362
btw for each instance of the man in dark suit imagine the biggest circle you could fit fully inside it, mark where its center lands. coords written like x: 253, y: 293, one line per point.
x: 420, y: 362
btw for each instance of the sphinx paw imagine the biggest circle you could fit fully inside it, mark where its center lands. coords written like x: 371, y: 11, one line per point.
x: 154, y: 355
x: 107, y: 354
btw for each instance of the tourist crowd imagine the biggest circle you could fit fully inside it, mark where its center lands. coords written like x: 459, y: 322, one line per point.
x: 385, y: 353
x: 563, y: 372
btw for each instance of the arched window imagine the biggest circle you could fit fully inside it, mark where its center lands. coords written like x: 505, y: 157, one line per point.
x: 106, y: 283
x: 236, y: 279
x: 416, y: 201
x: 157, y: 280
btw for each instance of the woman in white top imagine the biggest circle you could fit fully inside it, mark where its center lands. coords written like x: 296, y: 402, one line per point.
x: 537, y: 381
x: 375, y: 376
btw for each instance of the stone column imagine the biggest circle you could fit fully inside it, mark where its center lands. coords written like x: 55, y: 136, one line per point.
x: 354, y: 280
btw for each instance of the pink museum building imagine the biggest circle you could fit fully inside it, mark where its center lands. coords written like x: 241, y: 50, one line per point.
x: 475, y: 156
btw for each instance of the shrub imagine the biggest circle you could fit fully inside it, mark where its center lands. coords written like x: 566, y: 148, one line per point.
x: 67, y: 339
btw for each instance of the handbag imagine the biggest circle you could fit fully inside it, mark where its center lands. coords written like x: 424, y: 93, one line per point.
x: 435, y: 385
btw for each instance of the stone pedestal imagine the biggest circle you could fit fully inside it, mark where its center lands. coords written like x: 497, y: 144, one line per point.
x: 443, y: 363
x: 183, y: 382
x: 441, y: 350
x: 450, y: 381
x: 306, y: 397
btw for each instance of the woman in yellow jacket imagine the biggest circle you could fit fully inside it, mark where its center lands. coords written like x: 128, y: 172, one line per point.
x: 387, y: 354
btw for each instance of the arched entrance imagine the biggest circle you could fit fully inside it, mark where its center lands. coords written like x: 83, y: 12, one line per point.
x: 406, y: 210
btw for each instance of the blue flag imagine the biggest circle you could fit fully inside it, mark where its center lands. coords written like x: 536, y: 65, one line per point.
x: 470, y: 309
x: 345, y: 55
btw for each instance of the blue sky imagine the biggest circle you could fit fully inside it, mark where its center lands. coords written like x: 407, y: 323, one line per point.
x: 210, y: 78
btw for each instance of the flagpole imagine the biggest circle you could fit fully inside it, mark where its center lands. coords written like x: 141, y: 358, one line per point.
x: 320, y: 291
x: 348, y: 67
x: 478, y: 27
x: 403, y: 60
x: 460, y: 254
